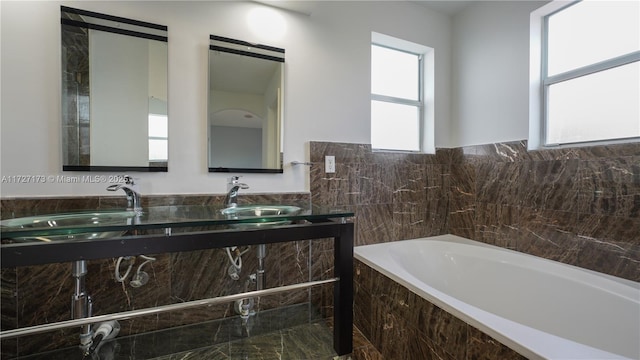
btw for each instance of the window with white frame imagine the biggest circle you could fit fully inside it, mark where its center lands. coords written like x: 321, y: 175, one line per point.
x: 158, y: 137
x: 588, y: 73
x: 399, y: 118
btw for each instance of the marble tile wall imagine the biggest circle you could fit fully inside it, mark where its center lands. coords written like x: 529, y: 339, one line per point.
x: 403, y: 325
x: 395, y: 195
x: 580, y: 206
x: 40, y: 294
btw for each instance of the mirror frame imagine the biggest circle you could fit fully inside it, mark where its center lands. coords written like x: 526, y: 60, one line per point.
x: 102, y: 22
x: 239, y: 47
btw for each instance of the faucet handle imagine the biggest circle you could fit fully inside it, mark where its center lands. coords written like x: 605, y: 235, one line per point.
x: 128, y: 180
x: 234, y: 179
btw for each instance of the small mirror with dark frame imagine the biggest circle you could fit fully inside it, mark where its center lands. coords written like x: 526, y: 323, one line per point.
x: 245, y: 106
x: 114, y: 93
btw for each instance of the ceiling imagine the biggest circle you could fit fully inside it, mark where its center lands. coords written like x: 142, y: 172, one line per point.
x: 447, y: 7
x: 450, y: 7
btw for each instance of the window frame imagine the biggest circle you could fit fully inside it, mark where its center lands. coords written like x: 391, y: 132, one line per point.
x: 540, y: 81
x: 425, y: 102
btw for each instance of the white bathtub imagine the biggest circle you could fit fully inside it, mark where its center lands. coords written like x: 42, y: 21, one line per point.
x: 540, y: 308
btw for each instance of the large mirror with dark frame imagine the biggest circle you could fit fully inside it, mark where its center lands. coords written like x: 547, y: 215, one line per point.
x: 114, y: 93
x: 245, y: 106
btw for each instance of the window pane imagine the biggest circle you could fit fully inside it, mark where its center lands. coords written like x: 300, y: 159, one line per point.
x: 600, y: 106
x: 592, y: 31
x: 394, y: 73
x: 158, y: 150
x: 158, y: 126
x: 394, y: 126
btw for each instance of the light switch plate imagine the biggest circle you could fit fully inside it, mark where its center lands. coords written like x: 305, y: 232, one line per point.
x: 330, y: 164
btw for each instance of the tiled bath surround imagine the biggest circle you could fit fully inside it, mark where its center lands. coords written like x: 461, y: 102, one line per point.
x: 402, y: 325
x: 579, y: 206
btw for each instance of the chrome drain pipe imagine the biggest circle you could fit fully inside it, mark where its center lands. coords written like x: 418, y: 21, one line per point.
x: 8, y: 334
x: 81, y: 304
x: 260, y: 276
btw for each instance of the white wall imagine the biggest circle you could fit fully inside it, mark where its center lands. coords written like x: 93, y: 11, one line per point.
x: 326, y: 85
x: 228, y: 153
x: 490, y: 76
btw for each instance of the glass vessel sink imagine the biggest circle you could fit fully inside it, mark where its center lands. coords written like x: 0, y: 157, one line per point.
x: 115, y: 223
x: 259, y: 215
x: 70, y: 225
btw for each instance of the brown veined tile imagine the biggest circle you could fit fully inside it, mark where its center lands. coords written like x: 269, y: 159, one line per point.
x: 497, y: 225
x: 610, y: 186
x: 550, y: 185
x: 484, y: 347
x: 548, y: 233
x: 498, y: 183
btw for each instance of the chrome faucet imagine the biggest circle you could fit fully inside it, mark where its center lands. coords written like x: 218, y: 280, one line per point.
x: 133, y: 197
x: 233, y: 186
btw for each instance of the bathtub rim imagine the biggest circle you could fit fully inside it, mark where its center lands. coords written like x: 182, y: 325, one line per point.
x: 527, y: 341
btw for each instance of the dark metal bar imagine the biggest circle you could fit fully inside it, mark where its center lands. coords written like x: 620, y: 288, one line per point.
x: 113, y: 18
x: 245, y: 170
x: 115, y: 168
x: 113, y: 30
x: 245, y: 53
x: 245, y: 43
x: 343, y: 291
x: 29, y: 253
